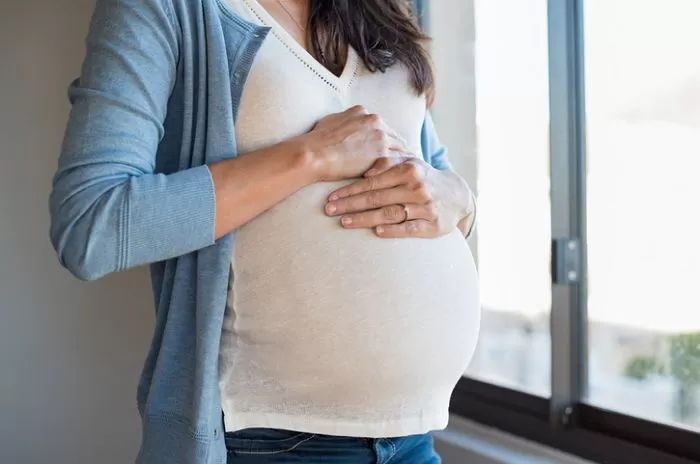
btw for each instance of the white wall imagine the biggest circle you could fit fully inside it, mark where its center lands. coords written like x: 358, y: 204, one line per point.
x: 70, y: 351
x: 451, y: 25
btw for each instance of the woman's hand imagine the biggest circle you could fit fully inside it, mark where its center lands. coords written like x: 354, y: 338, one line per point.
x: 435, y: 201
x: 344, y: 145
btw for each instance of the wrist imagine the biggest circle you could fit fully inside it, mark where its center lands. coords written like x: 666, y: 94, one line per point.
x: 462, y: 199
x: 464, y: 202
x: 305, y: 158
x: 470, y: 218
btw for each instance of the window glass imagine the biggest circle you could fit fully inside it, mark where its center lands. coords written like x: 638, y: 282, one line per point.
x: 643, y: 189
x: 491, y: 111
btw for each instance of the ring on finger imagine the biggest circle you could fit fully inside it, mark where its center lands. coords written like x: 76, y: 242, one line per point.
x: 405, y: 211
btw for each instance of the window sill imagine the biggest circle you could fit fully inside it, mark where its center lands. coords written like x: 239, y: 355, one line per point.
x: 466, y: 441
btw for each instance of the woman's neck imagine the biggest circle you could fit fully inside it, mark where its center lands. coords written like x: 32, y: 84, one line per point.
x: 292, y: 15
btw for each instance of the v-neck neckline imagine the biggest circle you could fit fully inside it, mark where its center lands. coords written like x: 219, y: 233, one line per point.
x: 339, y: 83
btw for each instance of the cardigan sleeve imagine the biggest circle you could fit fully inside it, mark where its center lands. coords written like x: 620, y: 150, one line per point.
x: 436, y: 154
x: 109, y: 210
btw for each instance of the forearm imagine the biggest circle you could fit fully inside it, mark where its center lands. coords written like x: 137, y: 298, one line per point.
x: 253, y: 182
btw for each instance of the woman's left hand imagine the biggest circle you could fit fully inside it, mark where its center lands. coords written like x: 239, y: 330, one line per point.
x: 403, y: 197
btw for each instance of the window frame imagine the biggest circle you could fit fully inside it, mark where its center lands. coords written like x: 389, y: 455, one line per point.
x: 594, y: 433
x: 564, y: 420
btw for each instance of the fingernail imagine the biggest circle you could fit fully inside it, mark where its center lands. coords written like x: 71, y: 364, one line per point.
x: 330, y: 208
x: 380, y: 229
x: 346, y: 220
x: 333, y: 197
x: 371, y: 172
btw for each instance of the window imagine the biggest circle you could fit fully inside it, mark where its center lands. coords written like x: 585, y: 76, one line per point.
x: 577, y: 123
x: 643, y: 126
x: 502, y: 148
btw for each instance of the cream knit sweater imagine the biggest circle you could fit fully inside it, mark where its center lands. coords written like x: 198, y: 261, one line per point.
x: 329, y: 330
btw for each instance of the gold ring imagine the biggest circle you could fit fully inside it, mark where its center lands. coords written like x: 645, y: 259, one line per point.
x: 405, y: 210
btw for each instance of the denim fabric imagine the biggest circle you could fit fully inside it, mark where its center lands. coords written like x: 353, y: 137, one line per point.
x: 260, y: 445
x: 154, y: 104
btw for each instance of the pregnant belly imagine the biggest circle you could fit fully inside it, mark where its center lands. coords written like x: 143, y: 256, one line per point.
x: 323, y: 308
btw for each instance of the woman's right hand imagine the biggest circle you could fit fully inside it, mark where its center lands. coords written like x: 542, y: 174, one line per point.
x: 346, y: 144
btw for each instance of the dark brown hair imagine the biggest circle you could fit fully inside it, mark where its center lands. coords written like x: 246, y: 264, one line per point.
x: 381, y: 31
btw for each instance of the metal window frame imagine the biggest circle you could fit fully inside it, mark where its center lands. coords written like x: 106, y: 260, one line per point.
x: 564, y: 420
x: 568, y: 321
x: 597, y: 434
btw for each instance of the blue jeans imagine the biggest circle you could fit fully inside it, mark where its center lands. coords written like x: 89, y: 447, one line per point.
x: 261, y: 445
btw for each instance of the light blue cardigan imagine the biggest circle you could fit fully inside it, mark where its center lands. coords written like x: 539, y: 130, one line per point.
x: 154, y: 104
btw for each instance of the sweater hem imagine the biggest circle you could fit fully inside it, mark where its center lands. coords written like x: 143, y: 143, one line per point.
x: 402, y: 426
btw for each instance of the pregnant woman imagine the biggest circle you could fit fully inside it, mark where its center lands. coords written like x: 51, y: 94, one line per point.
x: 275, y: 164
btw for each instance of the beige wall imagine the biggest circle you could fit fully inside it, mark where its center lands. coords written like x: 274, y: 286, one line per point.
x: 70, y: 351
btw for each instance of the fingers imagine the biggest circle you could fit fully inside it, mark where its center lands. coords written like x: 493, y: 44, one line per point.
x: 413, y: 228
x: 388, y: 179
x: 393, y: 173
x: 356, y: 110
x: 384, y: 163
x: 391, y: 214
x: 377, y: 122
x: 399, y: 141
x: 385, y: 138
x: 374, y: 199
x: 358, y: 134
x: 412, y: 168
x: 373, y: 121
x: 350, y: 113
